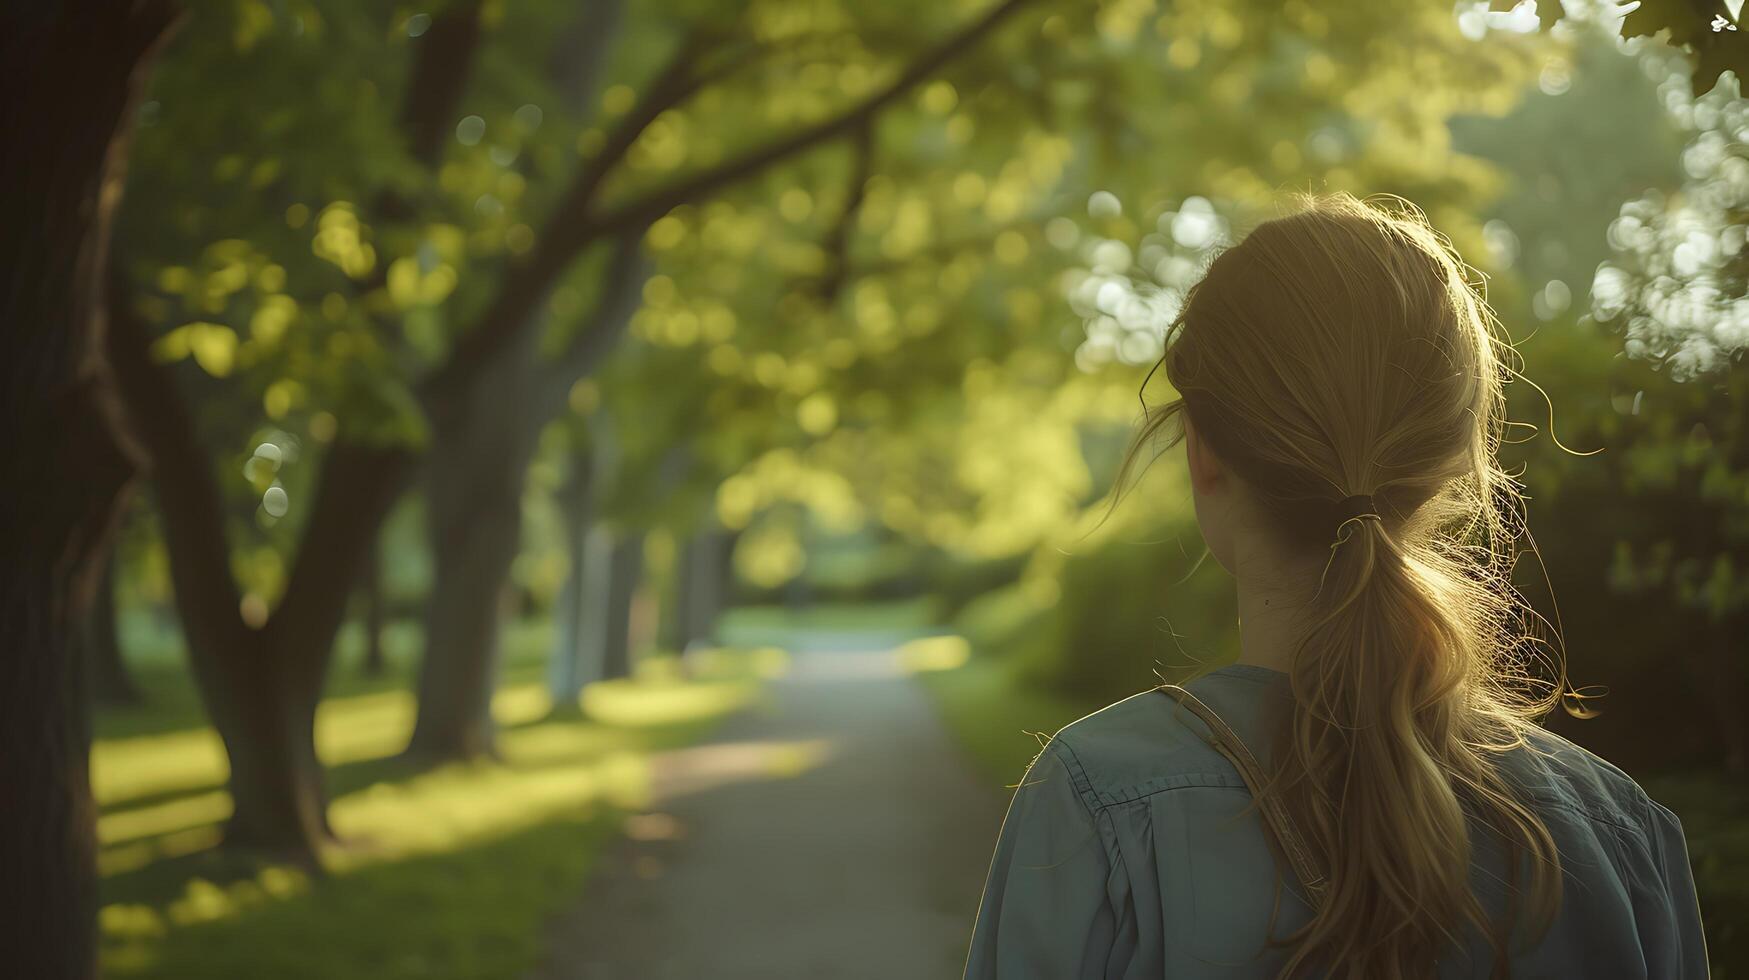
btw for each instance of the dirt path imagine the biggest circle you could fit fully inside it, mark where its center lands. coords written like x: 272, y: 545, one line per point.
x: 835, y: 832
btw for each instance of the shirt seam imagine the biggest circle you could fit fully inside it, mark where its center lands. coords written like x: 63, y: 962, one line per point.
x: 1214, y: 780
x: 1078, y: 773
x: 1657, y: 840
x: 1183, y: 780
x: 1095, y: 814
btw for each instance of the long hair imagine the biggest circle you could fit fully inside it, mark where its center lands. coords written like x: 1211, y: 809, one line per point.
x: 1342, y: 349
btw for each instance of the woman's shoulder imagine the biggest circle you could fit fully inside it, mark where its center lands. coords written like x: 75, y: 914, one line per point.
x: 1140, y: 745
x: 1557, y: 770
x: 1148, y: 743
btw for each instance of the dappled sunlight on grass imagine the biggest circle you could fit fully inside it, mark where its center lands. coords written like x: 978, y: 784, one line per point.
x: 521, y: 704
x: 558, y: 741
x: 125, y: 769
x: 364, y: 726
x: 707, y: 767
x: 165, y: 844
x: 626, y: 705
x: 661, y: 694
x: 160, y: 818
x: 945, y: 652
x: 130, y: 929
x: 459, y: 804
x: 914, y: 613
x: 566, y: 773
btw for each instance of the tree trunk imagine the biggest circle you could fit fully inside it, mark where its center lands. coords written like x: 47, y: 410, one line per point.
x: 683, y: 611
x: 476, y: 496
x: 473, y: 553
x: 71, y: 77
x: 374, y: 619
x: 626, y: 570
x: 260, y: 686
x: 111, y: 683
x: 279, y: 804
x: 565, y: 663
x: 588, y: 658
x: 474, y: 501
x: 644, y: 621
x: 703, y: 584
x: 671, y: 619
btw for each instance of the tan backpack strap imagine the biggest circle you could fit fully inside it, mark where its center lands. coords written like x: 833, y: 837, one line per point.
x: 1275, y: 816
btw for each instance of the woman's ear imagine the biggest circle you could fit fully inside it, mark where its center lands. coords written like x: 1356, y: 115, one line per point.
x: 1206, y: 474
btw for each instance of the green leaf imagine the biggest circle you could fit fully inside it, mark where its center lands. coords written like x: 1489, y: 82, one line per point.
x: 213, y: 345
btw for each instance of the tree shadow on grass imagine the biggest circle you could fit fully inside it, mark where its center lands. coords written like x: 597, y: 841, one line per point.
x: 543, y: 753
x: 447, y: 871
x: 476, y: 911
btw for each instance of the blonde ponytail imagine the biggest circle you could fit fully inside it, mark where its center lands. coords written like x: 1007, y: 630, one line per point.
x: 1341, y: 363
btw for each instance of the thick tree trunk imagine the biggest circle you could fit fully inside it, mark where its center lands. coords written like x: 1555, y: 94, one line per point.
x: 457, y: 679
x: 279, y: 806
x: 111, y: 682
x: 260, y: 686
x: 474, y: 500
x: 71, y: 73
x: 375, y: 616
x: 475, y: 491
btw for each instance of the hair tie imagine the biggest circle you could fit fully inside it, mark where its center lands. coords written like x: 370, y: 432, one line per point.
x: 1359, y: 507
x: 1356, y: 507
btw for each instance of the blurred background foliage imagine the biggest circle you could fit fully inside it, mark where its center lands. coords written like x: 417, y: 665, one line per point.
x: 798, y: 302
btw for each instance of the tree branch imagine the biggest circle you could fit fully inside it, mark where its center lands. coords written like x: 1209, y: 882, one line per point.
x: 621, y: 295
x: 442, y: 61
x: 656, y: 203
x: 944, y: 249
x: 572, y: 228
x: 525, y: 284
x: 357, y: 487
x: 439, y: 79
x: 673, y: 84
x: 189, y: 498
x: 837, y: 241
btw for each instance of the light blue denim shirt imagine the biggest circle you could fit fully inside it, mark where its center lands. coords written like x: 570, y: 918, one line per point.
x: 1131, y: 851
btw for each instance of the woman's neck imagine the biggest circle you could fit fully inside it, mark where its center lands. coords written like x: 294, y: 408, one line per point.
x: 1270, y: 624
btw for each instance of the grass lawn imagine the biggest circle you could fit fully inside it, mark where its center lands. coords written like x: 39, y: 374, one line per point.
x: 446, y: 873
x: 869, y: 622
x: 1000, y: 720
